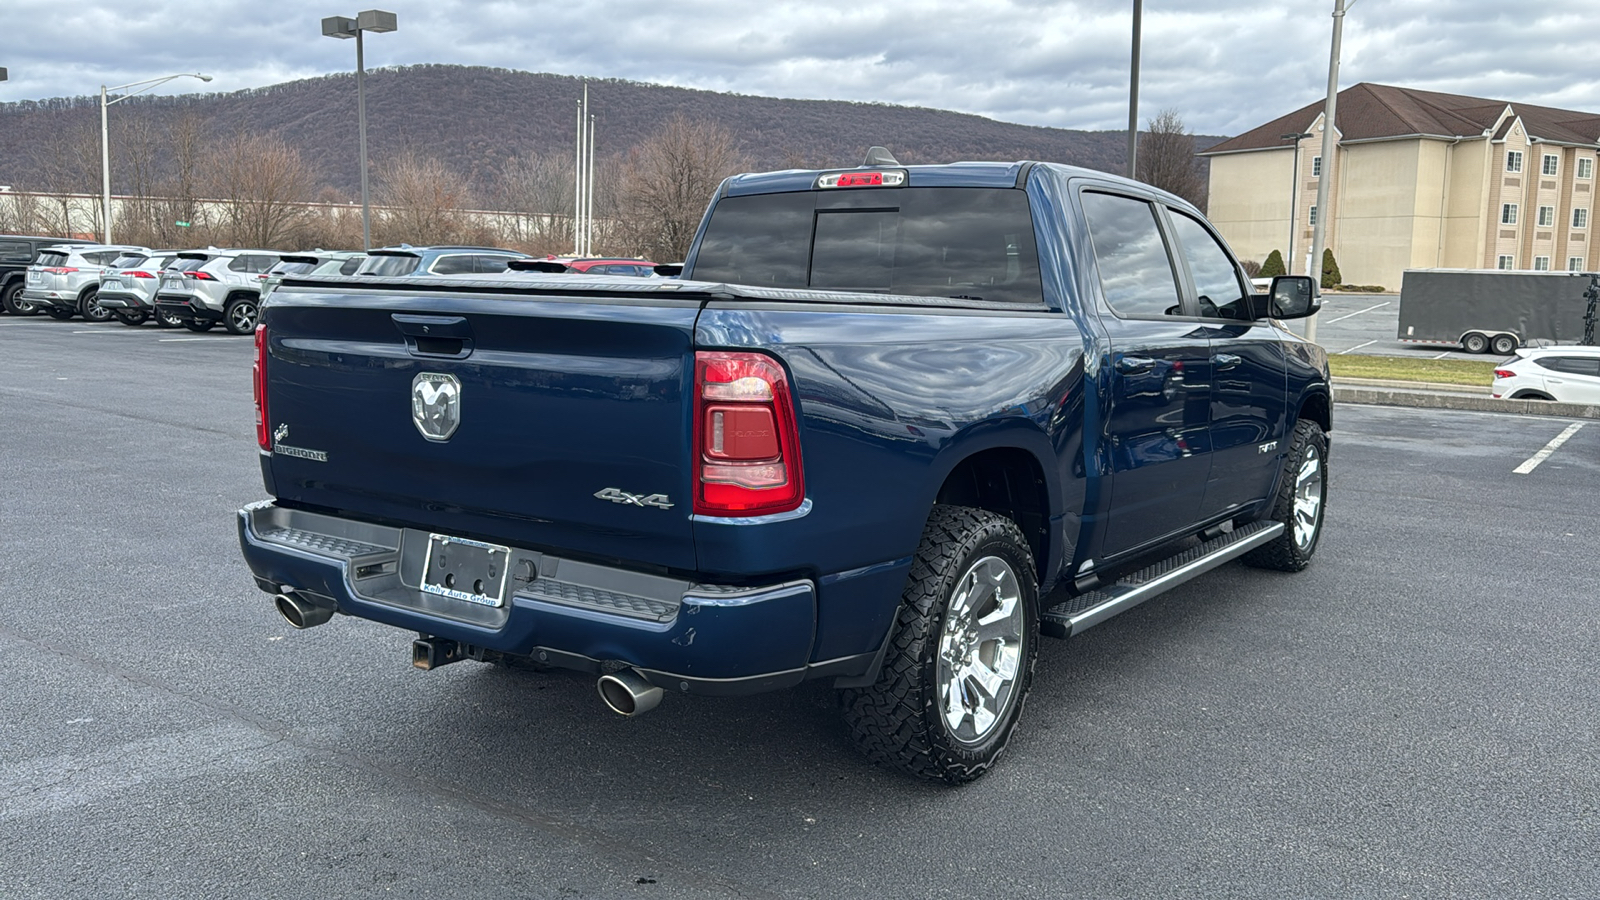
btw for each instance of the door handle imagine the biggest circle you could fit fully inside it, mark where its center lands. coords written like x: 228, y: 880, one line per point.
x: 1225, y: 361
x: 1129, y: 365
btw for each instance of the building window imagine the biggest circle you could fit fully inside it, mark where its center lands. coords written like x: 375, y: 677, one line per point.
x: 1550, y: 163
x: 1580, y: 218
x: 1505, y: 262
x: 1541, y: 263
x: 1316, y: 167
x: 1574, y: 264
x: 1586, y: 168
x: 1547, y: 216
x: 1313, y: 215
x: 1508, y: 214
x: 1513, y: 160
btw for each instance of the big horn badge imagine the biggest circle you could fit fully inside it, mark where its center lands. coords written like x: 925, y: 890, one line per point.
x: 436, y: 405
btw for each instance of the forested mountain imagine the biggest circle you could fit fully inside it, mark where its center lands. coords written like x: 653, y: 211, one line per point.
x: 474, y: 119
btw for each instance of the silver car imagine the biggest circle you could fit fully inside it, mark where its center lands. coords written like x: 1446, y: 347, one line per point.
x: 128, y: 287
x: 203, y: 287
x: 312, y: 262
x: 64, y: 280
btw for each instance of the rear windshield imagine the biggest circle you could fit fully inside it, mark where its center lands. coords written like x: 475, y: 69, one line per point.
x: 389, y: 264
x: 185, y: 264
x: 968, y: 243
x: 128, y: 260
x: 296, y: 267
x: 51, y: 258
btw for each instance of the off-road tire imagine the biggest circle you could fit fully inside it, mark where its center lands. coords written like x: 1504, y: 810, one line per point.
x: 1292, y: 551
x: 897, y: 722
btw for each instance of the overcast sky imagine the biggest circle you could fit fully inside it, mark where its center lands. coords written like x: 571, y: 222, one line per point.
x: 1224, y: 65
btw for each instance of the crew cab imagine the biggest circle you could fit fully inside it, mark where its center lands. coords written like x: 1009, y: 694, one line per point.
x: 891, y: 425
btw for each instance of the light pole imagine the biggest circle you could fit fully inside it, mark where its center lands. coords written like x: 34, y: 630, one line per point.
x: 1294, y: 194
x: 105, y: 138
x: 1133, y: 93
x: 342, y: 27
x: 1319, y: 231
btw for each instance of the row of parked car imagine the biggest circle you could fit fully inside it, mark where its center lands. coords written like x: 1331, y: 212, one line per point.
x: 201, y: 289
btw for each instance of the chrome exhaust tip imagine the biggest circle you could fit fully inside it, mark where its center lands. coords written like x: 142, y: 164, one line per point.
x: 628, y: 693
x: 299, y: 613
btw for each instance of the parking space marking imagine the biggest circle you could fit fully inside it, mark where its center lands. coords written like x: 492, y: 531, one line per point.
x: 104, y: 331
x: 1357, y: 313
x: 1444, y: 354
x: 1356, y: 347
x: 1533, y: 461
x: 176, y: 340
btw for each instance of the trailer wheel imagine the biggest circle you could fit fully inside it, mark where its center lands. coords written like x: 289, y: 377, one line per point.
x: 1473, y: 342
x: 1504, y: 344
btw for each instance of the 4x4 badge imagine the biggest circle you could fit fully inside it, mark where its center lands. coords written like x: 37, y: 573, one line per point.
x: 659, y: 501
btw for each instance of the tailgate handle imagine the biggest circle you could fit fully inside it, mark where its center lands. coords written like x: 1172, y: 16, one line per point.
x: 448, y: 336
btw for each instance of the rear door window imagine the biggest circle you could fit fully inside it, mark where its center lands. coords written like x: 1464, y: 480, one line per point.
x: 968, y: 243
x: 1136, y: 274
x: 1572, y: 365
x: 459, y: 264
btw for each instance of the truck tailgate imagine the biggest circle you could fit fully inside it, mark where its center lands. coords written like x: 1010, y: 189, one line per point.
x: 570, y: 425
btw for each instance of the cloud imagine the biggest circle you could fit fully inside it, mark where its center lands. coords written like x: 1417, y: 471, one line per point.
x: 1223, y: 65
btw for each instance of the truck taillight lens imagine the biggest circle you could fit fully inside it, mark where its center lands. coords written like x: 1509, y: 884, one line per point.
x: 1504, y: 373
x: 747, y: 443
x: 259, y: 376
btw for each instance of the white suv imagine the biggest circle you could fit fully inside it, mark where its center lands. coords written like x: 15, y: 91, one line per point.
x: 64, y: 281
x: 203, y: 287
x: 1566, y: 374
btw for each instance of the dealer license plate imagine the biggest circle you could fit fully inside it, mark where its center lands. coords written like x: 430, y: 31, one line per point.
x: 111, y: 283
x: 466, y: 570
x: 35, y: 277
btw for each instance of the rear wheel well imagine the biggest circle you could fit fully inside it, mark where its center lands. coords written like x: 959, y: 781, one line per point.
x: 242, y: 295
x: 1010, y: 482
x: 1531, y: 395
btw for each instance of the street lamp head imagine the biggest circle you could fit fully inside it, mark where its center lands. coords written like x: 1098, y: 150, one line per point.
x: 339, y: 27
x: 202, y: 77
x: 1296, y: 137
x: 376, y: 20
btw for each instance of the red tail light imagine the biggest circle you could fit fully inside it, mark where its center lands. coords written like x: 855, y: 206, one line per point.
x: 60, y: 270
x: 1504, y: 373
x: 747, y: 442
x: 203, y: 276
x: 138, y: 274
x: 258, y: 375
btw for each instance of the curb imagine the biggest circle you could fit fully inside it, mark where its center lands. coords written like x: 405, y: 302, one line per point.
x: 1438, y: 399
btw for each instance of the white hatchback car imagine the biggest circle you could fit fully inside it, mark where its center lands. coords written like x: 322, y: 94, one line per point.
x: 1567, y: 374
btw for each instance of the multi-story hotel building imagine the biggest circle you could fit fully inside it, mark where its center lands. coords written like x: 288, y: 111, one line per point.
x: 1420, y: 180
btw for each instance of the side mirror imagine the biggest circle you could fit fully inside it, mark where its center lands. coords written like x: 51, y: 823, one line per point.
x: 1290, y: 297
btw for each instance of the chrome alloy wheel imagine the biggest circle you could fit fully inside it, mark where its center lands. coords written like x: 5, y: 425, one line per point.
x: 1308, y: 499
x: 980, y: 650
x: 242, y: 317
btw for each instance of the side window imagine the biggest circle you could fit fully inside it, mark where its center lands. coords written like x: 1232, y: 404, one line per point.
x: 1135, y: 272
x: 459, y: 264
x: 349, y: 266
x: 1216, y: 279
x: 490, y: 264
x: 15, y: 251
x: 103, y: 257
x: 239, y: 264
x: 1572, y: 365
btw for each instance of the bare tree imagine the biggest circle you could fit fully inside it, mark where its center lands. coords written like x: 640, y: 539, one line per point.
x: 539, y: 190
x: 265, y: 183
x: 188, y: 138
x: 68, y: 162
x: 422, y: 199
x: 666, y: 183
x: 1167, y: 159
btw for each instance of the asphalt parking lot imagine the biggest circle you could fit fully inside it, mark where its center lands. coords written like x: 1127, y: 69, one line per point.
x: 1415, y: 715
x: 1367, y: 325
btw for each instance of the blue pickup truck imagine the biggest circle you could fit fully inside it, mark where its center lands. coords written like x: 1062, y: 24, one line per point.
x: 890, y: 426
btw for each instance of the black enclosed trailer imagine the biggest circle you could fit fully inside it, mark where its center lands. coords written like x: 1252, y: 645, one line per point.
x: 1484, y: 310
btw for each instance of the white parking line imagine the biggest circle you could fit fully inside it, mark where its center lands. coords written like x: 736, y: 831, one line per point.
x: 104, y: 331
x: 176, y: 340
x: 1533, y: 461
x: 1356, y: 347
x: 1357, y: 313
x: 1444, y: 354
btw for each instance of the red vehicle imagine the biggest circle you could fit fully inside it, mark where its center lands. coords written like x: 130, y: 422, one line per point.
x: 608, y: 266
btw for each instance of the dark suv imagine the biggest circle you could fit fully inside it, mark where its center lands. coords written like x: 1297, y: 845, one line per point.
x: 16, y: 253
x: 392, y: 262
